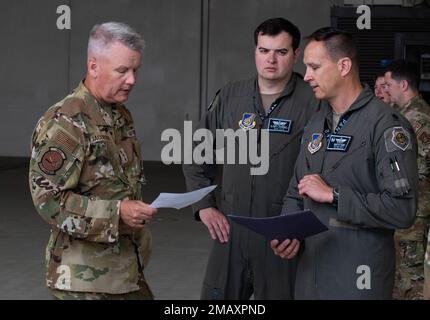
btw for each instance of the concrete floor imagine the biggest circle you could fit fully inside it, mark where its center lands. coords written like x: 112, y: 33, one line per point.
x: 180, y: 250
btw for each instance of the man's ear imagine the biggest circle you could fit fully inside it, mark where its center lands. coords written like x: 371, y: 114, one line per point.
x: 404, y: 85
x: 344, y: 66
x: 297, y: 54
x: 93, y: 67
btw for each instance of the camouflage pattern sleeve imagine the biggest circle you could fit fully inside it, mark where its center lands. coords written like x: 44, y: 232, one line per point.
x: 59, y: 150
x: 427, y: 270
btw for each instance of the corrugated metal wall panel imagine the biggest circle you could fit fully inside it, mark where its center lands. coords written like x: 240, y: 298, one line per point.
x: 378, y: 43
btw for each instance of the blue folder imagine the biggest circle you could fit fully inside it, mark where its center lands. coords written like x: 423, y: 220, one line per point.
x: 294, y: 225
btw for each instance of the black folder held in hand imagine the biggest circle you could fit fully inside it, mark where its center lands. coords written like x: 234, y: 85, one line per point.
x: 296, y: 225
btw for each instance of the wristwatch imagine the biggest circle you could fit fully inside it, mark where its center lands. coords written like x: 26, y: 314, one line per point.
x: 335, y: 196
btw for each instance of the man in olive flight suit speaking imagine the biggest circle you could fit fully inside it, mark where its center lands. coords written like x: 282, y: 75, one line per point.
x: 357, y: 172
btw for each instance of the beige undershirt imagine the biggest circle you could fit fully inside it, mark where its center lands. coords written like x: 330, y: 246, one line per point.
x: 268, y: 99
x: 336, y: 118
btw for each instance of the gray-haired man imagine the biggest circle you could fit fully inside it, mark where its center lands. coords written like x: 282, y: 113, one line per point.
x: 86, y: 178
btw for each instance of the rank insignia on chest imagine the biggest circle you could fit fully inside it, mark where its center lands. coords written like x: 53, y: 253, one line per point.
x: 279, y: 125
x: 400, y: 138
x: 316, y: 143
x: 338, y: 143
x: 248, y: 121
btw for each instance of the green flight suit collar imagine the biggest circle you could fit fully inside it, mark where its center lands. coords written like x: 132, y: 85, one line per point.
x: 363, y: 99
x: 289, y: 88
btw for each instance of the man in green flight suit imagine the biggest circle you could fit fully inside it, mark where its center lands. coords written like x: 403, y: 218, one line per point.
x: 277, y: 102
x: 357, y: 172
x: 86, y: 178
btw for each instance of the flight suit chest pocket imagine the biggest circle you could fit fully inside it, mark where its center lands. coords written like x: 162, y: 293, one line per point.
x: 354, y: 158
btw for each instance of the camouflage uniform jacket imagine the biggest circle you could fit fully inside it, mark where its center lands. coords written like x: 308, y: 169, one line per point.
x: 411, y: 243
x: 85, y: 159
x: 417, y: 111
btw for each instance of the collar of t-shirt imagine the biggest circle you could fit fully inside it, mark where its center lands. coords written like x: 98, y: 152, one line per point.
x: 268, y: 99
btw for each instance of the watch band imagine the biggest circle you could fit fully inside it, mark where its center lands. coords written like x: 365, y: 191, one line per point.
x: 335, y: 196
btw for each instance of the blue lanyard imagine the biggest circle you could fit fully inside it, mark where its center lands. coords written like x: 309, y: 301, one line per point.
x: 342, y: 122
x: 274, y: 105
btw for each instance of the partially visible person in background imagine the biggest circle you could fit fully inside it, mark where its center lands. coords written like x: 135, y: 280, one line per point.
x: 427, y: 270
x: 402, y: 82
x: 379, y: 88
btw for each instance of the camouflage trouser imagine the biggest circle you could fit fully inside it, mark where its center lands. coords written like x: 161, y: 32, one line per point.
x: 427, y: 270
x: 410, y: 250
x: 144, y: 293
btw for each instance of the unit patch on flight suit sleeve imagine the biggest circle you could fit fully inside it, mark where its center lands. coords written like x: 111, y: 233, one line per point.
x: 397, y: 138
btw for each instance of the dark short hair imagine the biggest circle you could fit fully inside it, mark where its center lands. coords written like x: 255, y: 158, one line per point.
x: 403, y: 70
x: 275, y: 26
x: 339, y: 43
x: 379, y: 74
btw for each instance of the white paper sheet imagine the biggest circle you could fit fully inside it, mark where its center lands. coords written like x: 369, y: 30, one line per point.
x: 180, y: 200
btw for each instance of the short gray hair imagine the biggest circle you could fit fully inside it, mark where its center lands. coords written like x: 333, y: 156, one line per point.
x: 103, y: 35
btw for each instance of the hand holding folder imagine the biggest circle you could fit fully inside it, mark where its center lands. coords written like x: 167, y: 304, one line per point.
x: 297, y: 225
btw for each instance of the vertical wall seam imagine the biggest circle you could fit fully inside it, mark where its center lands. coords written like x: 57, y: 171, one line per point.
x: 69, y: 48
x: 204, y: 55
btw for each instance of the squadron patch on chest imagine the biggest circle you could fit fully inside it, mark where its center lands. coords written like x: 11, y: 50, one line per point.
x: 52, y: 161
x: 316, y: 143
x: 248, y: 121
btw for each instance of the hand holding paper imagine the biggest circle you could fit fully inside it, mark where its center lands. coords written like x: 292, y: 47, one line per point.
x: 180, y: 200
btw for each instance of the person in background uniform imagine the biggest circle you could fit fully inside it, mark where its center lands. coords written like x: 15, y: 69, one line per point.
x: 427, y: 270
x: 86, y: 178
x: 379, y: 88
x: 357, y: 172
x: 278, y: 100
x: 402, y: 80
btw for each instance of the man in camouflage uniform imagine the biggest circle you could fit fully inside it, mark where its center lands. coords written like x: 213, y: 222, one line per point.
x: 402, y: 85
x: 427, y: 270
x: 86, y: 178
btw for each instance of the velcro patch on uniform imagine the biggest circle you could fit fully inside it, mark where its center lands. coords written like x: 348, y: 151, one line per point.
x: 417, y: 124
x: 279, y: 125
x: 65, y: 141
x: 338, y: 142
x: 99, y: 138
x: 52, y: 161
x: 123, y: 156
x: 397, y: 138
x: 424, y: 137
